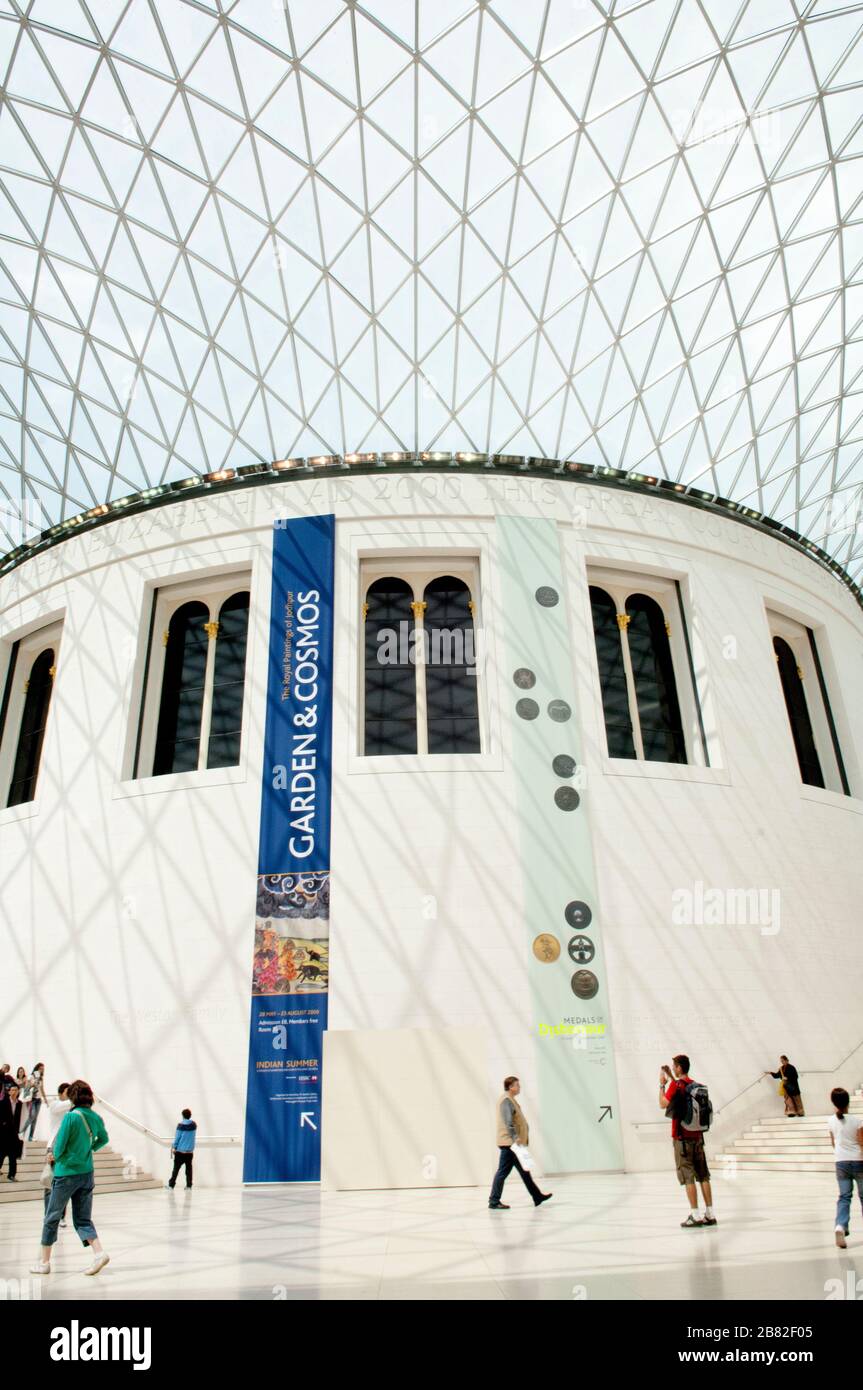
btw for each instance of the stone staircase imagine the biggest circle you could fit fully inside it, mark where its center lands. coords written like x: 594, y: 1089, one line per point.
x: 781, y: 1145
x: 113, y: 1173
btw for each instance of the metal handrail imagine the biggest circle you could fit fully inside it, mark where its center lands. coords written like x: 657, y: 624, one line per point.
x: 809, y: 1071
x: 167, y: 1141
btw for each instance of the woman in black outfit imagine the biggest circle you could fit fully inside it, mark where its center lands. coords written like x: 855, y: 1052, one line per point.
x: 791, y: 1087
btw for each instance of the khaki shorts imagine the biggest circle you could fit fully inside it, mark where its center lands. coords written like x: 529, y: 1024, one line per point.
x: 691, y: 1161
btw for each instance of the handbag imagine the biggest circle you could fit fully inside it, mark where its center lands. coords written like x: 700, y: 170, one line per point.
x: 46, y: 1177
x: 524, y: 1156
x: 782, y: 1088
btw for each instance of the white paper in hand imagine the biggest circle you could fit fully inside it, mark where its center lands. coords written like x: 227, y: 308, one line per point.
x: 524, y: 1156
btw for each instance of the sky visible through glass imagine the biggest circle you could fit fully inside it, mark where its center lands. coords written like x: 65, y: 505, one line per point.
x: 627, y: 234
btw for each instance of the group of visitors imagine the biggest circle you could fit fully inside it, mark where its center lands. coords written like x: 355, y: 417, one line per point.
x: 21, y: 1099
x: 687, y: 1104
x: 75, y: 1132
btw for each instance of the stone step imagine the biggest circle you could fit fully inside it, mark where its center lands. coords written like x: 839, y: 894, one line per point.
x: 781, y: 1136
x: 815, y: 1126
x: 774, y: 1162
x: 27, y: 1192
x: 771, y: 1165
x: 804, y: 1158
x: 114, y: 1172
x: 822, y: 1116
x: 778, y: 1136
x: 109, y: 1168
x: 104, y: 1156
x: 751, y: 1146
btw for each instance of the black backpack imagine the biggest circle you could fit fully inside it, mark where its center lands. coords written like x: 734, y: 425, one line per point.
x: 692, y: 1107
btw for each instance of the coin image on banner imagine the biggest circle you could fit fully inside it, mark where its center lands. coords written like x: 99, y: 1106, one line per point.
x: 559, y: 711
x: 524, y: 678
x: 578, y: 915
x: 584, y: 984
x: 527, y: 709
x: 566, y: 798
x: 546, y: 596
x: 581, y: 950
x: 563, y: 765
x: 546, y: 947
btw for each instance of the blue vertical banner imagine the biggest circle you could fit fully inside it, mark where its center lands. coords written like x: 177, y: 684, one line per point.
x: 290, y: 976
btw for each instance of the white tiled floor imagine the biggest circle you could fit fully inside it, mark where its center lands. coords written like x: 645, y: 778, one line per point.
x: 601, y: 1237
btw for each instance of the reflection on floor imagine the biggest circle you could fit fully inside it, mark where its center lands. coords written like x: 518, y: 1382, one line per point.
x: 602, y: 1237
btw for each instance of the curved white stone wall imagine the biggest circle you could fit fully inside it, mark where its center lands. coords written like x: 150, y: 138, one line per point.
x: 127, y: 907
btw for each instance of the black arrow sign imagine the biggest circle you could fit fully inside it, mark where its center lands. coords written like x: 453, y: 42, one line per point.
x: 606, y: 1110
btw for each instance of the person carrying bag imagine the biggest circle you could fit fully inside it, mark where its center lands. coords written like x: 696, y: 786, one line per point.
x: 81, y: 1133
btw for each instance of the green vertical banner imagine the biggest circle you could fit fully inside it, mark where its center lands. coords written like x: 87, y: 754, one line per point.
x: 578, y: 1110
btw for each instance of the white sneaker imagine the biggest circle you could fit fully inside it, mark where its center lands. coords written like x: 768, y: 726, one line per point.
x: 99, y: 1263
x: 62, y: 1223
x: 840, y: 1237
x: 40, y: 1268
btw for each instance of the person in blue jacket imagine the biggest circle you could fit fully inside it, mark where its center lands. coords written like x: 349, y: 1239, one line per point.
x: 184, y: 1148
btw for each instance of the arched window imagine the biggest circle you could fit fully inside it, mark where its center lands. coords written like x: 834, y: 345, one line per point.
x: 226, y: 718
x: 653, y: 676
x: 178, y: 736
x: 452, y: 711
x: 635, y: 660
x: 390, y: 672
x: 25, y: 769
x: 192, y: 710
x: 612, y: 675
x: 798, y: 714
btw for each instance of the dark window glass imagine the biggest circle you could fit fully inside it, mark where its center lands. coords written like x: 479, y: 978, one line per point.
x: 798, y: 714
x: 451, y: 696
x: 178, y: 736
x: 226, y: 719
x: 655, y: 688
x: 612, y: 675
x: 25, y: 769
x: 390, y: 676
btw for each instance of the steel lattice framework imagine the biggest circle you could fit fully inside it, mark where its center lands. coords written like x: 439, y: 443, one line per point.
x: 624, y: 233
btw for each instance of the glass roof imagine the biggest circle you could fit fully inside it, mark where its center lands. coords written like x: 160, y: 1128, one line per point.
x: 622, y: 233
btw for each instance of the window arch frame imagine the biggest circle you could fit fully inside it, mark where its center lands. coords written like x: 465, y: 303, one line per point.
x: 418, y: 571
x: 213, y: 592
x: 803, y: 643
x: 622, y: 585
x: 621, y: 662
x: 23, y: 656
x: 412, y: 721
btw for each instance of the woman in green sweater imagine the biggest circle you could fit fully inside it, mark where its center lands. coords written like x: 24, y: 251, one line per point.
x: 79, y: 1136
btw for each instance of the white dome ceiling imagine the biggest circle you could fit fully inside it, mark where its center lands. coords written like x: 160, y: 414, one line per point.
x: 628, y: 234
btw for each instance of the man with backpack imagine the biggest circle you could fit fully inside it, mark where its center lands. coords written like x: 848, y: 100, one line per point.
x: 688, y: 1104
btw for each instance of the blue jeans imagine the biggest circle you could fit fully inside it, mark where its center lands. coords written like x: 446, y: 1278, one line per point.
x: 508, y: 1161
x: 78, y: 1188
x: 847, y: 1173
x: 35, y: 1107
x: 46, y: 1197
